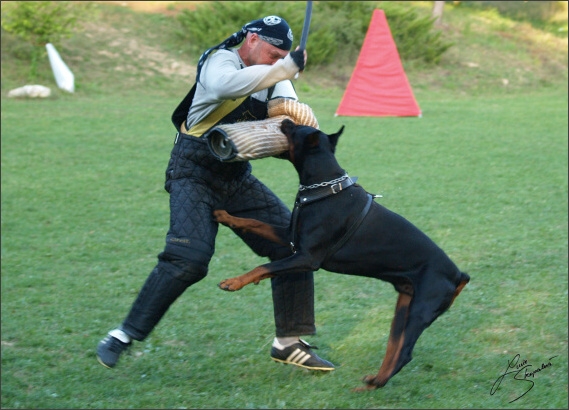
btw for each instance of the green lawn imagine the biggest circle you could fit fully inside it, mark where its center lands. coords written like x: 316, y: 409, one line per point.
x: 84, y: 215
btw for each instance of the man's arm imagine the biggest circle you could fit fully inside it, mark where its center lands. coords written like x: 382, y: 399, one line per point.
x: 224, y: 80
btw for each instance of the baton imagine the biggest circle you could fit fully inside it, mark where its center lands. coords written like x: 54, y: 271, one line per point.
x: 305, y: 28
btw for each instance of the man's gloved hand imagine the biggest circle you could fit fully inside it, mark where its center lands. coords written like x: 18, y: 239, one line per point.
x: 298, y: 58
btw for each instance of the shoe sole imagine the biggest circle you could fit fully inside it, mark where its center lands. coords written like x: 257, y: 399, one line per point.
x: 324, y: 369
x: 106, y: 365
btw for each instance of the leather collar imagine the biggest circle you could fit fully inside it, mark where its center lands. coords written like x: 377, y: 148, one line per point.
x: 314, y: 194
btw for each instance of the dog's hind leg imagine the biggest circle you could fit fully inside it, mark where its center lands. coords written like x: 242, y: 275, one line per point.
x: 391, y: 361
x: 422, y: 313
x: 405, y: 330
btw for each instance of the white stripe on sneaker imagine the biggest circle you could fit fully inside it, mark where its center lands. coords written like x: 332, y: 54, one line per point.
x: 298, y: 356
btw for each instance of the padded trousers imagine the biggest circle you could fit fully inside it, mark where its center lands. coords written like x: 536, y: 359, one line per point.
x: 198, y: 184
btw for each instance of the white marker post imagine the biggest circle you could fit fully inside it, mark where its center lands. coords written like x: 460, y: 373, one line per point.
x: 63, y: 75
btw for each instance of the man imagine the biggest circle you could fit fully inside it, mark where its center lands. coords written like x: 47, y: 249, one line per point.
x: 232, y: 85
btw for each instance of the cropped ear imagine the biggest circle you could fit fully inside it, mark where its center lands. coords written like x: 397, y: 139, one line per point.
x: 334, y: 137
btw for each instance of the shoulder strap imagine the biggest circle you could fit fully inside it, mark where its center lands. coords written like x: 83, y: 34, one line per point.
x: 270, y: 92
x: 180, y: 114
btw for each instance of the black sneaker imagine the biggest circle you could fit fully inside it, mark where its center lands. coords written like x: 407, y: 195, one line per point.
x: 300, y: 355
x: 109, y: 351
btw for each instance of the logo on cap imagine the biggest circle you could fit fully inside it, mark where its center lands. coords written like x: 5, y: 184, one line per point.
x: 272, y: 20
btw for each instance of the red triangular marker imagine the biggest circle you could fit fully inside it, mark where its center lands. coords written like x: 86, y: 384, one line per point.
x: 378, y: 86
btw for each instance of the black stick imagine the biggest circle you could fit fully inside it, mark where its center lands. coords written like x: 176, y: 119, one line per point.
x: 305, y: 28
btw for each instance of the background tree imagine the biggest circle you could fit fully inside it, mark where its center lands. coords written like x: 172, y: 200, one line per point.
x: 42, y: 22
x: 438, y: 8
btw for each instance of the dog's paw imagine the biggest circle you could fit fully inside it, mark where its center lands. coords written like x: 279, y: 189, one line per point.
x: 230, y: 285
x: 221, y: 216
x: 367, y: 387
x: 372, y: 382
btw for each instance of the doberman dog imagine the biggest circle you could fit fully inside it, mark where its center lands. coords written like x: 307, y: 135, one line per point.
x: 337, y: 226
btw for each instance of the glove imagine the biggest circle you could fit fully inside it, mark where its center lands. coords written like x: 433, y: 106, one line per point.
x: 298, y: 58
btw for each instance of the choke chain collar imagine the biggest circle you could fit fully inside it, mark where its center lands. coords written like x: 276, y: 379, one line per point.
x: 323, y: 184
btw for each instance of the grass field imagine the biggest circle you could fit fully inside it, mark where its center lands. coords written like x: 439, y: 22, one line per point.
x: 84, y: 214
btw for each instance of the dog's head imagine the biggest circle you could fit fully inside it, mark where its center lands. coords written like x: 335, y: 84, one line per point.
x: 304, y: 140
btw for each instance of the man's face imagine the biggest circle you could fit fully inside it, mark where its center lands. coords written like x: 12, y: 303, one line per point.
x: 264, y: 53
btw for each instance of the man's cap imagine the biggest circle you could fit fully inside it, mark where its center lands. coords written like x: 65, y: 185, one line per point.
x: 272, y: 29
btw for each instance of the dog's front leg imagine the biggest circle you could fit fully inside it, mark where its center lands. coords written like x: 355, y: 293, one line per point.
x: 254, y: 276
x: 272, y: 233
x: 296, y: 263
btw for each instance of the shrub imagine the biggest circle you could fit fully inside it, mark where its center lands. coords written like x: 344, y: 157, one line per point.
x: 41, y: 22
x: 414, y: 35
x: 549, y: 16
x: 212, y: 22
x: 336, y: 25
x: 521, y: 10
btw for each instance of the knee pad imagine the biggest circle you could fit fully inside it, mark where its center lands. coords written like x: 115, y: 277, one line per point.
x: 184, y: 270
x: 183, y: 263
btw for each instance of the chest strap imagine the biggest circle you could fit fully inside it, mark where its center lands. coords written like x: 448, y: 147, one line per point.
x: 322, y: 192
x: 352, y: 229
